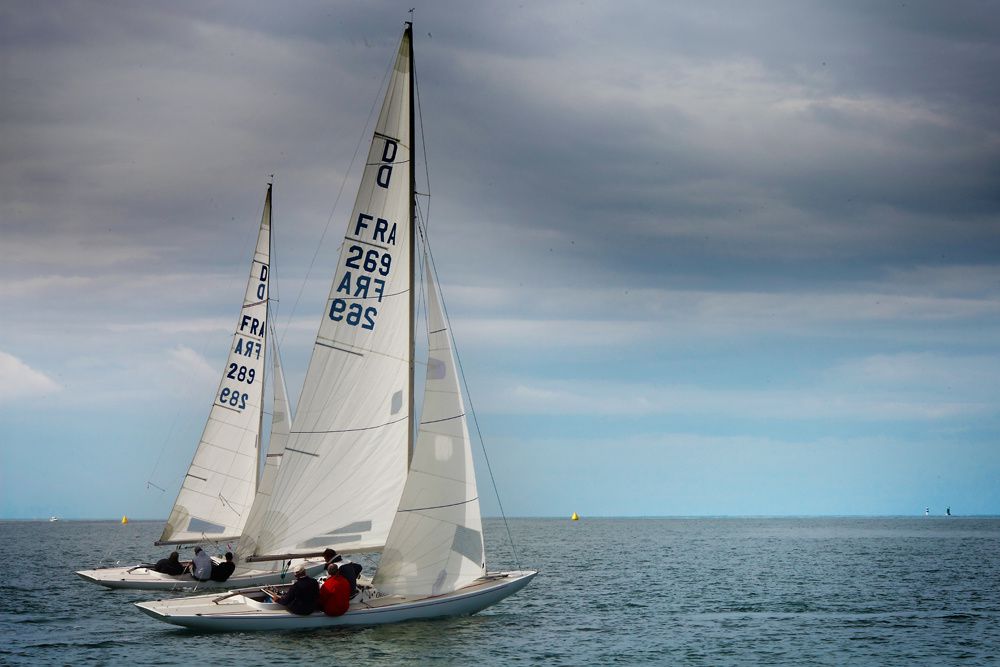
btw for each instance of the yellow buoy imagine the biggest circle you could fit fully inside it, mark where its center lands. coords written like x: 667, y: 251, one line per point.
x: 124, y: 520
x: 575, y: 517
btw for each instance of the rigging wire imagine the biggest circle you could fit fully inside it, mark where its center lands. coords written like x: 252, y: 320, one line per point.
x: 423, y: 145
x: 468, y: 393
x: 423, y: 219
x: 336, y: 201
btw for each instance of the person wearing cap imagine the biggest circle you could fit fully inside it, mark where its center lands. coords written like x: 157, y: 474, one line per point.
x: 201, y: 565
x: 301, y: 598
x: 335, y: 593
x: 348, y: 569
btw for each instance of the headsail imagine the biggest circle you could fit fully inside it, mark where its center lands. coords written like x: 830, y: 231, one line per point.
x: 435, y: 545
x: 345, y: 463
x: 219, y: 487
x: 280, y: 426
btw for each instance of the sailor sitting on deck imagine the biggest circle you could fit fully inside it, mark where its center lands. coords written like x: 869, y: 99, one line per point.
x: 222, y: 571
x: 335, y: 593
x: 201, y: 565
x: 171, y: 565
x: 348, y: 569
x: 301, y: 598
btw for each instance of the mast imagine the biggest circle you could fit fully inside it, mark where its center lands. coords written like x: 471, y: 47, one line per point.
x: 413, y: 244
x: 267, y: 314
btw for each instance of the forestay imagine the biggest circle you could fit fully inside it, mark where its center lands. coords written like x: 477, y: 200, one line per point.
x: 219, y: 487
x: 345, y: 463
x: 435, y: 545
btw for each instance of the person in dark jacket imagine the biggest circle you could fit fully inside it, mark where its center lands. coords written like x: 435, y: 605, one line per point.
x: 222, y: 571
x: 348, y: 569
x: 302, y: 597
x: 170, y: 565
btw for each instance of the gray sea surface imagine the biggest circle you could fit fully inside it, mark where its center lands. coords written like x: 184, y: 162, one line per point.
x: 661, y: 591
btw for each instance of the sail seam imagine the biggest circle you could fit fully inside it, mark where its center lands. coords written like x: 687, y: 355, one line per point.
x: 437, y: 507
x: 246, y: 335
x: 299, y: 451
x: 348, y: 430
x: 435, y: 421
x: 358, y: 240
x: 362, y: 298
x: 334, y: 347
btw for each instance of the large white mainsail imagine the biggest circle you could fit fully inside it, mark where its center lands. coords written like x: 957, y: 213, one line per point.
x: 220, y: 484
x: 435, y: 545
x: 345, y: 462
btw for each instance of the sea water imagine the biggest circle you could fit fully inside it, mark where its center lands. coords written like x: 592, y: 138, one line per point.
x: 661, y: 591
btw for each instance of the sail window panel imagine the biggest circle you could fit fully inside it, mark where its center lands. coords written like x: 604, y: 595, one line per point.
x: 200, y: 526
x: 468, y: 543
x: 435, y: 554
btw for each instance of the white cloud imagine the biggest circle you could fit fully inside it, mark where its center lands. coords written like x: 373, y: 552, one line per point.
x: 192, y: 367
x: 580, y: 317
x: 954, y: 375
x: 19, y: 380
x: 639, y: 399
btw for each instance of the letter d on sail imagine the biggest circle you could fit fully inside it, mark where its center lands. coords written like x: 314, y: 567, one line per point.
x: 385, y: 171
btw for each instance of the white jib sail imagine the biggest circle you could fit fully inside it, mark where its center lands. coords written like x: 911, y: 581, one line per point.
x: 219, y: 487
x: 281, y: 424
x: 281, y: 420
x: 345, y: 462
x: 435, y: 545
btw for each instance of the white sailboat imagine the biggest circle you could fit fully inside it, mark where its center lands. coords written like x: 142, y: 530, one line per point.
x: 221, y: 484
x: 353, y: 477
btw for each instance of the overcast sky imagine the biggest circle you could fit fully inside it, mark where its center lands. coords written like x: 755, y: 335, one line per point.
x: 701, y: 258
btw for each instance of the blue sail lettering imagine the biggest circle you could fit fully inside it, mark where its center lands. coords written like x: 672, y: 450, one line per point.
x: 383, y: 176
x: 381, y: 227
x: 345, y: 284
x: 361, y: 224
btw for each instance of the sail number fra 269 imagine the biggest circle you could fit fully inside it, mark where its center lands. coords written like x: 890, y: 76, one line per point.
x: 366, y: 269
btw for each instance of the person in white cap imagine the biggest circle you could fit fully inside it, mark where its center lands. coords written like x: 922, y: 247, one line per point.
x: 302, y: 597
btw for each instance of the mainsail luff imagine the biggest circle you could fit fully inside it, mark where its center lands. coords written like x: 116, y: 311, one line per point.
x: 345, y: 463
x: 220, y: 483
x: 412, y: 219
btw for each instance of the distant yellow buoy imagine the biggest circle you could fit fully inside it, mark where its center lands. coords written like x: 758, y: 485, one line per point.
x: 575, y: 517
x: 124, y: 520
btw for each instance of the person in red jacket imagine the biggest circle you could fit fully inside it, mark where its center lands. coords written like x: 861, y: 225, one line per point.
x: 335, y: 593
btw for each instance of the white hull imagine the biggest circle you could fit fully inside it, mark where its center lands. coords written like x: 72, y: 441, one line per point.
x: 144, y: 578
x: 243, y: 613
